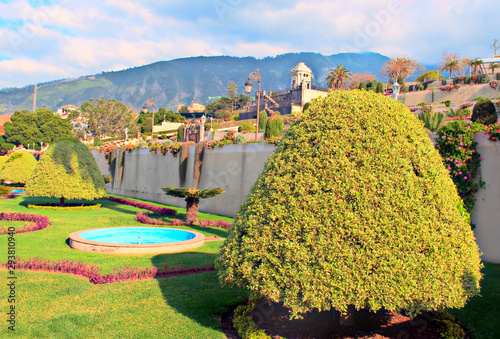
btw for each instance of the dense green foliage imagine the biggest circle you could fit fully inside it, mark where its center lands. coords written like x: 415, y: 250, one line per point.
x: 263, y: 120
x: 5, y: 146
x: 143, y: 121
x: 457, y: 147
x: 247, y: 127
x: 484, y: 112
x: 429, y: 76
x: 355, y: 208
x: 274, y: 127
x: 18, y: 167
x: 432, y: 120
x: 67, y: 170
x: 28, y: 128
x: 106, y: 117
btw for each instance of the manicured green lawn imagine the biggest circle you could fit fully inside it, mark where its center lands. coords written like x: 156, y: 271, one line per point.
x: 51, y: 243
x: 481, y: 315
x: 63, y: 306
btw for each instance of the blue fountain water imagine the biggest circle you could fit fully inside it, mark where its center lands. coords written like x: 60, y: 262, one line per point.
x: 17, y: 191
x: 137, y: 235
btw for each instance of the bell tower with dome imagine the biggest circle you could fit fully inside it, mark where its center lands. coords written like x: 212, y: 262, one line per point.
x: 301, y: 76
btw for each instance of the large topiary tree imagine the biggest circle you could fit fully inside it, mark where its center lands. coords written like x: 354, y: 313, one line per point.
x: 484, y: 112
x: 67, y: 170
x: 18, y: 167
x: 355, y: 207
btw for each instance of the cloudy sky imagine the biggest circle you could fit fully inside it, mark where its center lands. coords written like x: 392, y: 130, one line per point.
x: 53, y: 39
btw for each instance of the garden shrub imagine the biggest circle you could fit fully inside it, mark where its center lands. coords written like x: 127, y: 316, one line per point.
x: 38, y: 222
x: 447, y: 327
x: 274, y: 127
x: 354, y: 208
x: 66, y: 208
x: 240, y: 139
x: 158, y: 210
x: 180, y: 132
x: 444, y: 82
x: 167, y: 142
x: 467, y: 80
x: 484, y: 112
x: 97, y: 141
x: 263, y: 121
x: 247, y: 127
x: 457, y: 147
x: 18, y: 167
x: 67, y: 170
x: 447, y: 103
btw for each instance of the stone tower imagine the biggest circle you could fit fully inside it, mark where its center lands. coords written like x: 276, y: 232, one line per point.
x: 301, y: 75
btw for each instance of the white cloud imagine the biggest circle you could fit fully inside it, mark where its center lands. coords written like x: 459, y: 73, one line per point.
x: 85, y: 38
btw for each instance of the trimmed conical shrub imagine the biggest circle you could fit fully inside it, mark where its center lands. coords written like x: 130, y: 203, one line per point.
x: 262, y: 121
x: 67, y: 170
x: 484, y: 112
x: 18, y: 167
x: 355, y: 207
x: 274, y: 127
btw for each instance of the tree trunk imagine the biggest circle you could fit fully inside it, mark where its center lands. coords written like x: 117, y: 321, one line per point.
x: 61, y: 202
x: 192, y: 205
x: 348, y: 318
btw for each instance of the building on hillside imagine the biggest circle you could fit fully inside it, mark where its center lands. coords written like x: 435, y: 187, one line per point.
x: 65, y: 111
x: 289, y: 101
x: 486, y: 68
x: 194, y: 108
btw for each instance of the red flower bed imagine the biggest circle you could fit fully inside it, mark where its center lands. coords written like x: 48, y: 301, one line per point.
x: 37, y: 222
x: 155, y: 209
x: 215, y: 223
x: 143, y: 218
x: 127, y: 273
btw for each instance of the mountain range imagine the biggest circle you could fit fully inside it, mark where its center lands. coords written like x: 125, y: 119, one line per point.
x: 182, y: 81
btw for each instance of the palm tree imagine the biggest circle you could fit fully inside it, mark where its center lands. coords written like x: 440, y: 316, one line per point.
x: 459, y: 112
x: 193, y: 197
x: 451, y: 66
x: 338, y: 77
x: 476, y: 63
x: 493, y: 66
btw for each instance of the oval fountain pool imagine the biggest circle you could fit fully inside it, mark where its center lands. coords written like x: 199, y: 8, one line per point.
x: 135, y: 240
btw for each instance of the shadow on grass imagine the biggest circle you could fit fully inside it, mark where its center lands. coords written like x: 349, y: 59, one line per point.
x: 198, y: 296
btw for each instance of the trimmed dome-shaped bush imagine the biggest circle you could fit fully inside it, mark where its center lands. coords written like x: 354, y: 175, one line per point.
x: 355, y: 207
x: 18, y: 167
x: 67, y: 170
x: 484, y: 112
x: 274, y: 126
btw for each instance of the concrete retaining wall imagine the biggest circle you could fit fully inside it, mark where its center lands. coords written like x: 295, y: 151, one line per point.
x: 486, y: 214
x: 235, y: 168
x: 457, y: 96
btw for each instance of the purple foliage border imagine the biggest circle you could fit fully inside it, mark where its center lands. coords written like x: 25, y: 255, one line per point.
x: 38, y: 222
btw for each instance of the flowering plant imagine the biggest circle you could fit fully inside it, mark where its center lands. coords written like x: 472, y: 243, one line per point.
x: 494, y: 83
x: 493, y: 131
x: 447, y: 88
x: 457, y: 147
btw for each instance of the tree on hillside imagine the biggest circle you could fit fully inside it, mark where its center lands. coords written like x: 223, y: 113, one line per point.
x: 67, y: 170
x: 231, y: 92
x: 357, y: 78
x: 476, y: 64
x: 18, y: 167
x: 28, y: 128
x: 224, y: 103
x: 399, y: 67
x: 192, y: 197
x: 452, y: 63
x: 429, y: 76
x: 338, y: 77
x: 183, y: 109
x: 106, y: 117
x: 365, y: 216
x: 143, y: 121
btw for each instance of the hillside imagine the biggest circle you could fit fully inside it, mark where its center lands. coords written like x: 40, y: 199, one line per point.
x: 181, y: 81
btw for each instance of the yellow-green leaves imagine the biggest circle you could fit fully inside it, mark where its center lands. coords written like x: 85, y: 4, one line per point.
x: 355, y: 207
